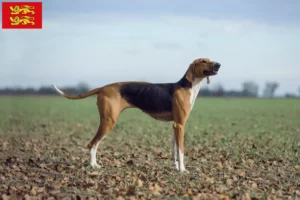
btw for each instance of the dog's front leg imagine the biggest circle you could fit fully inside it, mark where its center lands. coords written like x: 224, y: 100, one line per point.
x: 174, y: 152
x: 179, y: 136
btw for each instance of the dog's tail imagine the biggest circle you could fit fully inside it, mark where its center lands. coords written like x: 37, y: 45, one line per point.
x: 81, y: 96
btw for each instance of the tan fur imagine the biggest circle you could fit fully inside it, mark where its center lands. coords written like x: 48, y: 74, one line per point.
x: 110, y: 104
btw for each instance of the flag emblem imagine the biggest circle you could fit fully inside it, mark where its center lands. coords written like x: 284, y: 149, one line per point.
x: 21, y: 15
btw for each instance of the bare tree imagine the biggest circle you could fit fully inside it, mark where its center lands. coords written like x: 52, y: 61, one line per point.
x: 219, y: 90
x: 270, y: 89
x: 250, y: 89
x: 82, y: 87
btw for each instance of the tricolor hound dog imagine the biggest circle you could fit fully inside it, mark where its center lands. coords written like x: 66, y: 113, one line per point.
x: 161, y: 101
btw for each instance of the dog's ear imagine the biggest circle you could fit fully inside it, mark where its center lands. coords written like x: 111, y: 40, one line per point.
x: 190, y: 72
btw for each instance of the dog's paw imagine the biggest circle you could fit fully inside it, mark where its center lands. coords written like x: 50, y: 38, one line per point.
x: 184, y: 171
x: 95, y: 165
x: 176, y: 165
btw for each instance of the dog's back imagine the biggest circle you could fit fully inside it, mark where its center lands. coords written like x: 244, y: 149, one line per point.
x: 154, y: 98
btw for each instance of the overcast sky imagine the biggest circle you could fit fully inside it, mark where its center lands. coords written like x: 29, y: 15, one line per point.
x: 99, y: 42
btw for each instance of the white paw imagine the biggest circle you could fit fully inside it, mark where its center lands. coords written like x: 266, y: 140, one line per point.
x: 184, y: 171
x: 95, y: 165
x: 176, y: 165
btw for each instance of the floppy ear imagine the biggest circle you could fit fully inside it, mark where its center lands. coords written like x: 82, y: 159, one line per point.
x: 190, y: 72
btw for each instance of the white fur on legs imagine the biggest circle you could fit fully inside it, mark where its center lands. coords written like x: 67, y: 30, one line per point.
x: 93, y: 152
x: 94, y: 163
x: 174, y: 152
x: 180, y: 156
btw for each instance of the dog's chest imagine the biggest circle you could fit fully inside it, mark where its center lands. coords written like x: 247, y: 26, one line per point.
x: 194, y: 91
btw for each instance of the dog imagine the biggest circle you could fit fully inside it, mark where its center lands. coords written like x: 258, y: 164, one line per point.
x: 170, y: 102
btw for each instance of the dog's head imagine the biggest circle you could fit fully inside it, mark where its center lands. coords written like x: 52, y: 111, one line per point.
x: 202, y: 68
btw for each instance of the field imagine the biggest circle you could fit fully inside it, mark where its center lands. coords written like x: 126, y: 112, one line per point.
x: 234, y: 149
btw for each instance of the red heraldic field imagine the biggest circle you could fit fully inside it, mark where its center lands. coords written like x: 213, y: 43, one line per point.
x: 22, y: 15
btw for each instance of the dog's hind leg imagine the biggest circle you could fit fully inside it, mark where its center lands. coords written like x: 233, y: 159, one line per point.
x: 106, y: 125
x: 108, y: 118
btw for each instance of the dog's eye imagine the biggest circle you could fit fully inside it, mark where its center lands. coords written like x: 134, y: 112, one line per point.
x: 204, y: 61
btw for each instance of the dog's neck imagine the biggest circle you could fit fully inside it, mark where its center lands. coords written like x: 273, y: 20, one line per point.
x: 194, y: 90
x: 185, y: 83
x: 193, y: 87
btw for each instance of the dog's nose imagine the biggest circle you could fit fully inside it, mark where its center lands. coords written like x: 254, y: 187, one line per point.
x: 217, y: 65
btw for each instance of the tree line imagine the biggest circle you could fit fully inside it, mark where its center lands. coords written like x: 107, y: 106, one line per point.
x: 249, y: 89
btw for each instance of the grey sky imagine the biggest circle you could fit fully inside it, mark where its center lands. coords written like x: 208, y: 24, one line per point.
x: 105, y: 41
